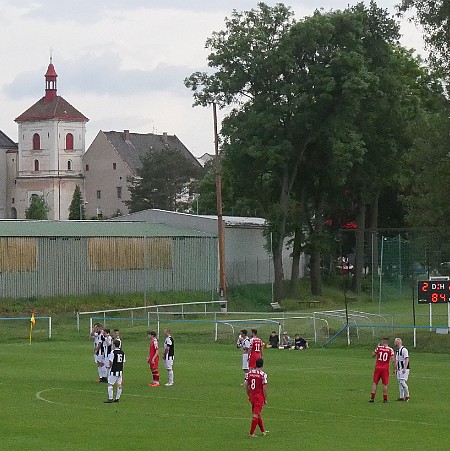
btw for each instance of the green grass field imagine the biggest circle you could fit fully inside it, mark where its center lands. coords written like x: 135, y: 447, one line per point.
x: 317, y: 400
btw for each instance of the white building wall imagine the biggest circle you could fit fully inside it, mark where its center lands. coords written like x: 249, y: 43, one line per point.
x: 54, y: 180
x: 3, y: 184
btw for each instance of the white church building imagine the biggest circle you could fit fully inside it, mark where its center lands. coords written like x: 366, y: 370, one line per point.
x: 48, y: 163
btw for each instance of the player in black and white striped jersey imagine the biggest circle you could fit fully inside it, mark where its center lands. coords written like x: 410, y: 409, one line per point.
x: 116, y: 360
x: 402, y: 369
x: 243, y: 343
x: 95, y: 335
x: 169, y: 355
x: 116, y: 336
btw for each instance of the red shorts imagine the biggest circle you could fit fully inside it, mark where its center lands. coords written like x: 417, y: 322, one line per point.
x: 154, y: 366
x: 257, y: 407
x: 381, y: 373
x: 252, y: 360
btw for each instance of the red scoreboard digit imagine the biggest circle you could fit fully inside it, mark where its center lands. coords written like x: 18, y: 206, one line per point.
x: 433, y: 291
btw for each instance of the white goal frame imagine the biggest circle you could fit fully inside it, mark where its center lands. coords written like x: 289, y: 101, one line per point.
x: 28, y: 318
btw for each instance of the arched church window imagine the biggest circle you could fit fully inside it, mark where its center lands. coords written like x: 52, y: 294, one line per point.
x: 69, y: 141
x: 69, y: 165
x: 36, y: 141
x: 36, y: 165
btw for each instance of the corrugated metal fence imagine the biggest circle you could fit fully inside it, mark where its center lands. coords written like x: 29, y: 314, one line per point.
x: 61, y: 266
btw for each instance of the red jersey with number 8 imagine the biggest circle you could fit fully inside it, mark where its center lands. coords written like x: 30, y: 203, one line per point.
x: 256, y: 379
x: 383, y: 355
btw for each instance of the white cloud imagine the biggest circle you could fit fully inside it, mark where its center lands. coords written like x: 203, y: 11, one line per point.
x: 122, y: 63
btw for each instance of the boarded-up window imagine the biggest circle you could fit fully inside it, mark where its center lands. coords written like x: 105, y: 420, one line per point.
x: 130, y: 253
x: 17, y: 254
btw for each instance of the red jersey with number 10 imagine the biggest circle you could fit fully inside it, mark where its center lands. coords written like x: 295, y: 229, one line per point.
x: 383, y: 355
x: 256, y: 379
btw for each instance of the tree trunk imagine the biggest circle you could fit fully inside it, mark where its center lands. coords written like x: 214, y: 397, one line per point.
x: 296, y: 254
x: 359, y: 248
x: 316, y: 273
x: 278, y: 240
x: 373, y: 239
x: 297, y: 248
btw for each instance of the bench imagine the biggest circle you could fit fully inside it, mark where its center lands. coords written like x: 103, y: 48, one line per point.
x: 311, y: 303
x: 276, y: 306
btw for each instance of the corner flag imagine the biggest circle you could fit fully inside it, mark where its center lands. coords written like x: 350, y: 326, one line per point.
x: 32, y: 323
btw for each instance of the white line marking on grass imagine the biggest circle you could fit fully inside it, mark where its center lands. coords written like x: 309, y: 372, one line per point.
x: 313, y: 412
x: 359, y: 417
x: 41, y: 398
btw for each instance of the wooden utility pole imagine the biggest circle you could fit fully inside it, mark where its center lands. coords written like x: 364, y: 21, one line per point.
x: 220, y: 228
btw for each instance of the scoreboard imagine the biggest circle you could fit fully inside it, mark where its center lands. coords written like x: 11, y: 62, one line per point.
x: 433, y: 292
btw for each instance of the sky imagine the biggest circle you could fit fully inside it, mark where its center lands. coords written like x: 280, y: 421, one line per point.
x: 122, y: 63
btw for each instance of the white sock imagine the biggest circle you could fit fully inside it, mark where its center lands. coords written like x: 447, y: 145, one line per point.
x: 400, y: 387
x: 119, y: 392
x: 110, y: 392
x: 405, y: 388
x: 170, y: 376
x: 99, y: 368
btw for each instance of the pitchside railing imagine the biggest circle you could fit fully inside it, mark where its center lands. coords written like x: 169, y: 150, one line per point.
x: 19, y: 327
x: 139, y: 312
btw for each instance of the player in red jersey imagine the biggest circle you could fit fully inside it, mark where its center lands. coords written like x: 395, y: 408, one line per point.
x: 255, y: 350
x: 384, y: 355
x: 256, y: 387
x: 153, y: 358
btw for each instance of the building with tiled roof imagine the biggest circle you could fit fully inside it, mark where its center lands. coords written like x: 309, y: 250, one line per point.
x: 50, y: 150
x: 112, y: 158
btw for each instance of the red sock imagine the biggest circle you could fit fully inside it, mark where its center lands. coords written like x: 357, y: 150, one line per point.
x: 156, y: 376
x: 254, y: 424
x: 385, y: 397
x: 260, y: 424
x: 373, y: 395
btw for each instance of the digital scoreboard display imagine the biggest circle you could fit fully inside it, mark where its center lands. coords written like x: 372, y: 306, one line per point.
x: 434, y: 292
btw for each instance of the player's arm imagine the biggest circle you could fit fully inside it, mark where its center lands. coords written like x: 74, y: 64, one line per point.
x: 265, y: 393
x: 156, y: 355
x: 394, y: 363
x: 406, y: 364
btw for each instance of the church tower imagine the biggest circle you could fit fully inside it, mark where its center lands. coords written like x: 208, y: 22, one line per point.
x: 50, y: 150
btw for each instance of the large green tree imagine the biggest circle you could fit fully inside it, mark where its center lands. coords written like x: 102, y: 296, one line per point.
x: 38, y: 208
x: 163, y: 181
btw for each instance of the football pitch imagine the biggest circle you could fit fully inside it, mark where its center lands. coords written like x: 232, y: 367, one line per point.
x: 317, y: 400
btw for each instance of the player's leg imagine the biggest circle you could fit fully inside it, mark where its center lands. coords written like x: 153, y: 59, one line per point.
x: 385, y: 382
x: 111, y: 381
x: 155, y: 374
x: 169, y: 365
x: 400, y: 389
x: 255, y: 420
x: 404, y: 378
x: 376, y: 378
x: 119, y: 388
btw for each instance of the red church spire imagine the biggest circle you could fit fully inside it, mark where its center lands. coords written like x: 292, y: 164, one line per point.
x: 50, y: 83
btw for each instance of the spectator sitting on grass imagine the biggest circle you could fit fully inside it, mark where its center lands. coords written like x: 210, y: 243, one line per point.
x: 273, y: 340
x: 286, y: 341
x: 300, y: 343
